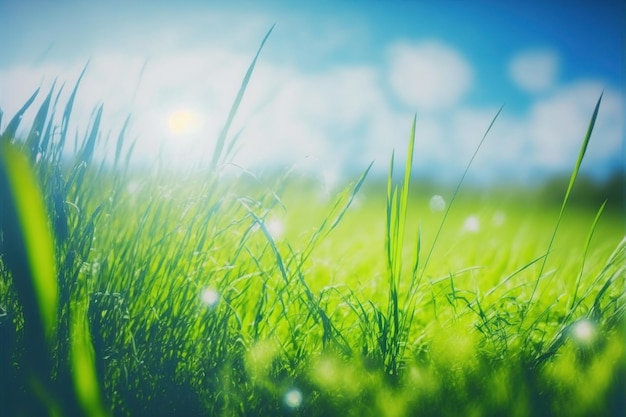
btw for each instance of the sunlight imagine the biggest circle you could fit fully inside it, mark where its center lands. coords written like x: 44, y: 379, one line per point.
x: 187, y: 135
x: 183, y: 122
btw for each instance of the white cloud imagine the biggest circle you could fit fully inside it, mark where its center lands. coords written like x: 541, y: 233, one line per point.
x: 336, y: 119
x: 546, y: 139
x: 330, y: 118
x: 557, y: 126
x: 428, y: 75
x: 202, y: 81
x: 534, y: 71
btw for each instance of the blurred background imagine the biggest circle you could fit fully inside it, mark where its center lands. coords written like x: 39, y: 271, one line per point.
x: 337, y: 84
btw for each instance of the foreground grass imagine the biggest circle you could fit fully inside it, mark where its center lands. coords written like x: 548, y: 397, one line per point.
x: 198, y: 303
x: 207, y: 295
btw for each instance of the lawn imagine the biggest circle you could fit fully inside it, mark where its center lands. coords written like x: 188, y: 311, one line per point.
x: 132, y: 293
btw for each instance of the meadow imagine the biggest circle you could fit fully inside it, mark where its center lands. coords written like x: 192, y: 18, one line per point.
x: 133, y: 293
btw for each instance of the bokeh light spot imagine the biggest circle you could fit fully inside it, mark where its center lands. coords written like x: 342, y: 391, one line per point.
x: 471, y: 224
x: 293, y: 398
x: 584, y: 332
x: 437, y: 203
x: 276, y: 227
x: 210, y: 297
x: 499, y: 218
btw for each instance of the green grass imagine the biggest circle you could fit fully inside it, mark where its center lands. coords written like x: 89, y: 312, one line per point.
x: 177, y: 294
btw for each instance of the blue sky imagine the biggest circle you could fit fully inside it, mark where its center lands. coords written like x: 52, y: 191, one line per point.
x: 338, y: 82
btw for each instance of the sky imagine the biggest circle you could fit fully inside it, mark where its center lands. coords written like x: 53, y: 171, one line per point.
x: 337, y: 84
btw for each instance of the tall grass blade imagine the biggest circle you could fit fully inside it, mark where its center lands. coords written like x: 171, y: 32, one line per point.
x: 86, y: 386
x: 404, y: 196
x: 30, y: 249
x: 86, y: 153
x: 50, y: 127
x: 67, y: 112
x: 353, y: 194
x: 120, y: 141
x: 221, y: 140
x: 33, y: 140
x: 9, y: 133
x: 456, y: 192
x: 574, y: 175
x: 585, y: 252
x: 391, y: 327
x: 279, y: 259
x: 28, y: 252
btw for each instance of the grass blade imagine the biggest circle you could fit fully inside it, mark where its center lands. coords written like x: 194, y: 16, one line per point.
x: 456, y: 192
x: 86, y: 386
x: 86, y: 153
x: 221, y: 140
x: 120, y: 141
x: 67, y: 112
x: 585, y: 252
x: 581, y: 155
x: 10, y: 131
x: 30, y: 252
x: 33, y: 140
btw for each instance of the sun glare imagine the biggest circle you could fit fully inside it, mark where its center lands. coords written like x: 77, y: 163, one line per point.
x: 184, y: 122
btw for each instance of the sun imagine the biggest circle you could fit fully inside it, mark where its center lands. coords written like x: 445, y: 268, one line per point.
x: 183, y: 122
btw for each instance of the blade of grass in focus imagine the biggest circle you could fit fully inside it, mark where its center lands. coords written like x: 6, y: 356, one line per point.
x: 572, y: 180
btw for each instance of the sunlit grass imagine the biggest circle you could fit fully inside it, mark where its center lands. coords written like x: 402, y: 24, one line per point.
x: 195, y: 293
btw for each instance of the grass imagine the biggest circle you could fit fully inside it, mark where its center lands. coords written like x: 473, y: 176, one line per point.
x: 130, y: 294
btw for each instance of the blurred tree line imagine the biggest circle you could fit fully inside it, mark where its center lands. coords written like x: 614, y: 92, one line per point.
x: 588, y: 191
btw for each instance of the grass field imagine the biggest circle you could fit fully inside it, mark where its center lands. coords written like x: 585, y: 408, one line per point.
x: 131, y: 294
